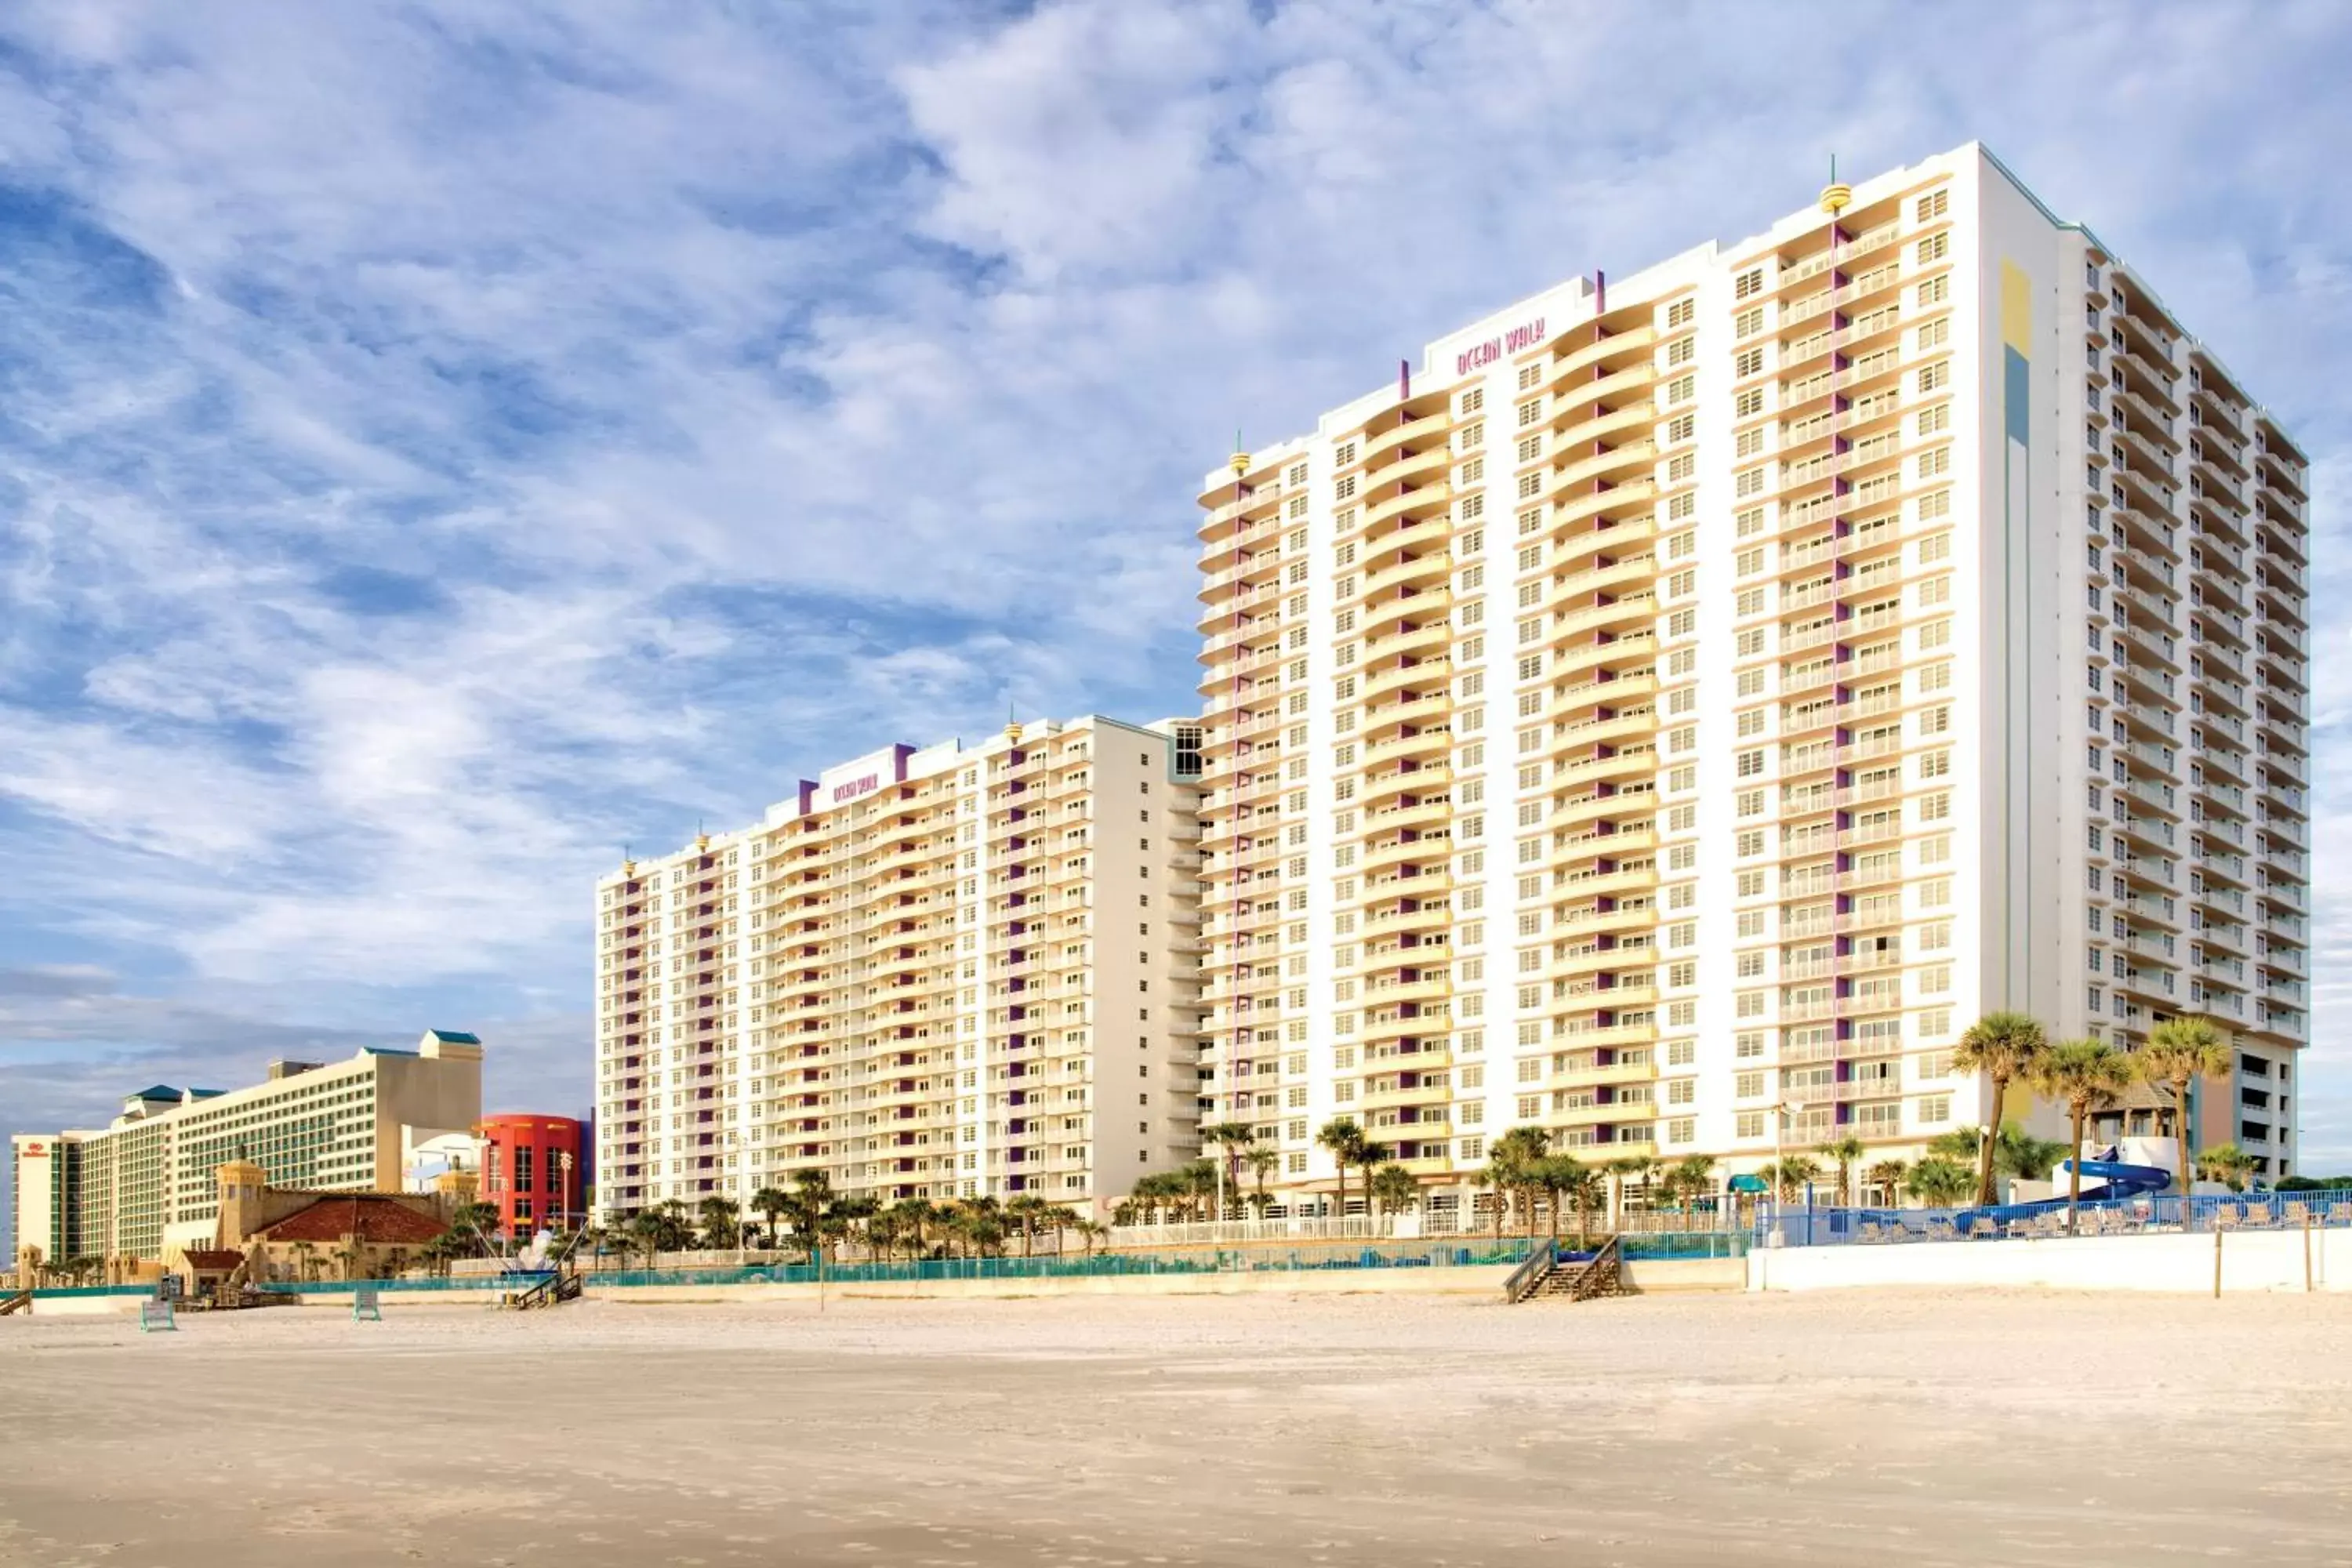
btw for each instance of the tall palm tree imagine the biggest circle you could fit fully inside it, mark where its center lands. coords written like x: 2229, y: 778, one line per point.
x: 2228, y: 1164
x: 1513, y: 1158
x: 2178, y: 1052
x: 1230, y: 1139
x: 1888, y: 1176
x: 1347, y: 1144
x: 1843, y: 1153
x: 1375, y: 1157
x: 1569, y: 1180
x: 1787, y: 1176
x: 1393, y: 1189
x: 1262, y: 1162
x: 720, y: 1224
x: 770, y: 1205
x: 306, y: 1260
x: 2005, y: 1047
x: 2085, y: 1074
x: 1689, y: 1179
x: 1025, y: 1211
x: 1618, y: 1170
x: 1090, y: 1233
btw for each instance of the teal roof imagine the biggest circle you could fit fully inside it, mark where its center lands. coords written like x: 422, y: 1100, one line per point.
x: 157, y: 1092
x: 456, y: 1036
x: 387, y: 1051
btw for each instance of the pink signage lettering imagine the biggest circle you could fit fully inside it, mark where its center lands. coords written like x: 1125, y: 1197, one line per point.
x: 857, y: 787
x: 1519, y: 340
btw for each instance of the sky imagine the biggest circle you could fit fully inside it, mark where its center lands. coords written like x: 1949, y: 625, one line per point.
x: 444, y: 444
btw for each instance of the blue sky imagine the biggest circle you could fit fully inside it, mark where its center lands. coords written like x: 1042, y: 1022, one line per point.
x: 442, y: 443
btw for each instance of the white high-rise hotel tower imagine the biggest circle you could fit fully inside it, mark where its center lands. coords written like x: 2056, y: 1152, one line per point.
x: 1673, y: 711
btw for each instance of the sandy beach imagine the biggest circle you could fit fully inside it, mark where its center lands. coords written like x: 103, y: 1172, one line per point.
x: 1832, y: 1428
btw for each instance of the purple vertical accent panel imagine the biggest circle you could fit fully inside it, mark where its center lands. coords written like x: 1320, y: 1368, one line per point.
x: 1600, y: 292
x: 1404, y: 380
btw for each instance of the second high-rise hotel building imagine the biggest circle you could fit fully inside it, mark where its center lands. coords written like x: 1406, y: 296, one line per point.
x: 1674, y: 709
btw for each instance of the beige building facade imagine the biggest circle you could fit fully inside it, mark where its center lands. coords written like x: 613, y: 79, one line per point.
x: 939, y: 973
x: 1677, y: 708
x: 146, y: 1183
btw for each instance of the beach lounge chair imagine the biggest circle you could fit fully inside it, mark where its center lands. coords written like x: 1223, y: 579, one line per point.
x: 2298, y: 1215
x: 1941, y: 1230
x: 2259, y: 1214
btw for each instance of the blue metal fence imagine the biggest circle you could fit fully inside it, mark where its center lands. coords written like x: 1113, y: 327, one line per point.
x: 1799, y: 1225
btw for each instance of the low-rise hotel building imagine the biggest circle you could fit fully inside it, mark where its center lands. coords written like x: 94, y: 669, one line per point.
x: 147, y: 1183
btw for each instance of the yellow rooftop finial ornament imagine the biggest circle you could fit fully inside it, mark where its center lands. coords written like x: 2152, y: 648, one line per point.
x: 1240, y: 459
x: 1012, y: 725
x: 1837, y: 195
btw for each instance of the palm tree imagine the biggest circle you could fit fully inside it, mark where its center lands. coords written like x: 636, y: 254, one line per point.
x: 720, y: 1225
x: 2017, y: 1153
x: 1513, y: 1158
x: 808, y: 1204
x: 1844, y: 1151
x: 1231, y: 1139
x: 1568, y: 1179
x: 1347, y: 1145
x: 645, y: 1227
x: 476, y: 1223
x: 306, y: 1260
x: 1062, y: 1217
x: 2178, y: 1052
x: 1939, y: 1182
x: 1692, y: 1178
x: 1375, y: 1157
x: 2228, y: 1164
x: 1618, y: 1170
x: 770, y: 1205
x: 2004, y: 1046
x: 1888, y: 1176
x: 1787, y: 1176
x: 1393, y: 1189
x: 353, y: 1252
x: 1026, y: 1211
x: 1262, y: 1162
x: 2085, y: 1074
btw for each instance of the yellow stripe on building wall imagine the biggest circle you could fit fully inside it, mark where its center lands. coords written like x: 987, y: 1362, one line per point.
x: 2016, y: 308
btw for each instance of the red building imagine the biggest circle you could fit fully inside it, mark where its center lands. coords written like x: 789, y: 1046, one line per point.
x: 533, y: 1171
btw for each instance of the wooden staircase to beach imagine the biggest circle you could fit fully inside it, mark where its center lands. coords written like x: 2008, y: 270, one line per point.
x: 551, y: 1291
x: 22, y: 1301
x: 1603, y: 1274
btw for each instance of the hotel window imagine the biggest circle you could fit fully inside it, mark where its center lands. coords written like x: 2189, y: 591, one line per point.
x: 1682, y: 351
x: 1751, y: 402
x: 1474, y: 400
x: 1748, y: 361
x: 1682, y: 312
x: 1472, y: 436
x: 1932, y: 205
x: 1530, y: 411
x: 1529, y: 374
x: 1748, y: 1124
x: 1750, y: 282
x: 1934, y: 248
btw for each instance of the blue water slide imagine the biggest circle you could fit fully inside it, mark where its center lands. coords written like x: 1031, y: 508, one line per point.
x: 2119, y: 1180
